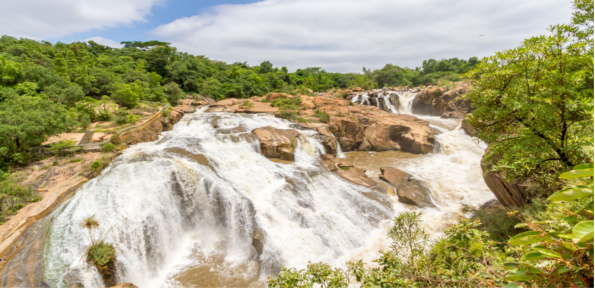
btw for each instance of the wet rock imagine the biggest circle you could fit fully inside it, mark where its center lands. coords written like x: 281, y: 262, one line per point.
x: 440, y: 101
x: 277, y: 143
x: 409, y: 189
x: 125, y: 285
x: 200, y: 158
x: 470, y: 130
x: 346, y: 170
x: 258, y: 241
x: 325, y: 137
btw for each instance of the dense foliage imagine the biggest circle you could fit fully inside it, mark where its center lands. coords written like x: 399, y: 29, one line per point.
x: 535, y: 102
x: 47, y: 89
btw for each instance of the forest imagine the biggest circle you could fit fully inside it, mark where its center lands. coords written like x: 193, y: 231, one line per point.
x: 47, y: 89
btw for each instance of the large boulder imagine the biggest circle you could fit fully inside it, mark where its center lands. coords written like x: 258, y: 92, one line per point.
x: 325, y: 137
x: 409, y: 190
x: 440, y: 101
x: 400, y: 132
x: 507, y: 193
x: 277, y: 143
x: 470, y: 130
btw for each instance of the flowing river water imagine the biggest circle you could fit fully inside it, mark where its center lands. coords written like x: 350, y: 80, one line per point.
x: 201, y: 207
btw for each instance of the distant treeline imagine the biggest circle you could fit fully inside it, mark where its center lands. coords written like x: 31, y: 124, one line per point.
x: 48, y: 88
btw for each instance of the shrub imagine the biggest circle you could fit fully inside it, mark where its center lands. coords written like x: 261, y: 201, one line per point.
x: 101, y: 254
x: 107, y: 147
x: 14, y: 196
x: 63, y: 147
x: 324, y: 117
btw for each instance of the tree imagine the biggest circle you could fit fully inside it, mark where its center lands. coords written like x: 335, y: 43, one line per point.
x: 266, y: 67
x: 173, y: 93
x: 60, y: 66
x: 535, y: 103
x: 127, y: 95
x: 26, y: 121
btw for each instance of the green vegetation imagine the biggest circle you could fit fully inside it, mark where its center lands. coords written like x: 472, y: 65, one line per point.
x: 289, y: 107
x: 322, y: 116
x: 47, y: 89
x: 13, y: 196
x: 535, y: 103
x: 108, y: 147
x: 100, y: 253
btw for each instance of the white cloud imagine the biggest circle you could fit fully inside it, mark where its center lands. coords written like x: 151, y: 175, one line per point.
x: 105, y: 41
x: 42, y: 19
x: 345, y: 35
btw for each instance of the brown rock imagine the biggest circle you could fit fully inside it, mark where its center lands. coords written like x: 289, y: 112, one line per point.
x: 507, y: 193
x: 125, y: 285
x: 277, y: 143
x: 467, y: 127
x: 409, y: 190
x: 437, y: 101
x: 356, y: 89
x: 346, y: 170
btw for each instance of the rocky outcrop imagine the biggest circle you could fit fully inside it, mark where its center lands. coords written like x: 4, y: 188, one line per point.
x: 355, y: 127
x: 154, y: 129
x: 470, y: 130
x: 277, y: 143
x: 346, y: 170
x: 507, y: 193
x: 409, y: 190
x: 325, y: 137
x: 438, y: 101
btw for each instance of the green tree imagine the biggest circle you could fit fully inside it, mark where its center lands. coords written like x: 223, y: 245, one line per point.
x: 27, y: 121
x: 127, y: 95
x: 535, y: 104
x: 60, y: 66
x: 266, y: 67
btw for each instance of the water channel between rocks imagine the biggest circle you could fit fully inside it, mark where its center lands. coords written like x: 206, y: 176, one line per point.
x: 201, y: 207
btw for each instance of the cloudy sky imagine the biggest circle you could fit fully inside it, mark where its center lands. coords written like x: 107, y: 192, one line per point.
x: 337, y: 35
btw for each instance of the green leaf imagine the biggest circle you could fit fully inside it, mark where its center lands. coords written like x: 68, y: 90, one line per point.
x: 583, y: 166
x: 541, y: 254
x: 521, y: 225
x: 520, y: 275
x: 587, y: 172
x: 572, y: 193
x: 527, y: 238
x: 512, y: 285
x: 582, y: 232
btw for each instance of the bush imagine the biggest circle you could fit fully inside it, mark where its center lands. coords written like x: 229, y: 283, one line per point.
x: 14, y: 196
x: 63, y: 147
x: 324, y: 117
x: 101, y: 254
x: 107, y: 147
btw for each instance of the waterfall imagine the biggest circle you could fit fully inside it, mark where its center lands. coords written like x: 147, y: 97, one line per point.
x: 405, y: 102
x: 184, y: 211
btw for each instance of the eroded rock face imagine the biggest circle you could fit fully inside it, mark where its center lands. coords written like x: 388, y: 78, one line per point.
x: 437, y: 101
x: 346, y: 170
x: 409, y: 190
x: 387, y: 132
x: 507, y: 193
x: 470, y: 130
x: 277, y: 143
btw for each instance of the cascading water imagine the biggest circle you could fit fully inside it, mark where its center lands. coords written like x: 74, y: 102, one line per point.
x: 202, y: 207
x: 452, y: 172
x: 185, y: 210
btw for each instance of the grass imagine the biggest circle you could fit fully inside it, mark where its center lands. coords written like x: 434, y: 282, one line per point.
x: 77, y: 159
x: 322, y: 116
x: 302, y: 120
x: 14, y: 196
x: 344, y: 167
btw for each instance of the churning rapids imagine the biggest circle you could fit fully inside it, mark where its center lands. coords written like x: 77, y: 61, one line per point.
x: 201, y: 207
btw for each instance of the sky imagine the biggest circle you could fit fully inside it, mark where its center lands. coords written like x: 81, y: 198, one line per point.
x: 336, y: 35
